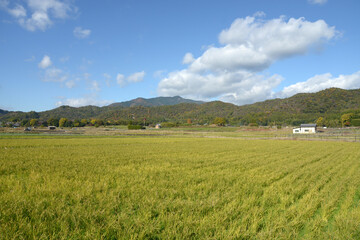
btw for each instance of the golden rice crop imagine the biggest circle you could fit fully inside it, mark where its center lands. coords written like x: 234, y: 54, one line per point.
x: 178, y: 188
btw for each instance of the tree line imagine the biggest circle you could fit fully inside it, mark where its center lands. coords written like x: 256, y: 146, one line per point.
x: 346, y: 120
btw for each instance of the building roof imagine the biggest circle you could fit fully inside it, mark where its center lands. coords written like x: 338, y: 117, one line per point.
x: 308, y: 125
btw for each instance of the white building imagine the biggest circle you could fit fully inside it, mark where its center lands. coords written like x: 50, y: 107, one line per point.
x: 305, y: 128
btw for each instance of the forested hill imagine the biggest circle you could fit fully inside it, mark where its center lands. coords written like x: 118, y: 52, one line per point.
x: 300, y: 108
x: 3, y: 112
x: 152, y: 102
x: 332, y: 100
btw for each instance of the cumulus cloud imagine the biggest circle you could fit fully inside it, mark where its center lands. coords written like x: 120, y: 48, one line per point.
x: 38, y: 14
x: 136, y: 77
x: 133, y: 78
x: 81, y: 33
x: 18, y: 11
x: 320, y: 2
x: 45, y: 62
x: 83, y: 101
x: 188, y: 58
x: 54, y: 75
x: 120, y: 79
x: 275, y: 39
x: 321, y: 82
x: 250, y: 45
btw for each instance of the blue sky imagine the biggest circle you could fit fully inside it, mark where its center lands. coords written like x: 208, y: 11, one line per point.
x: 87, y: 52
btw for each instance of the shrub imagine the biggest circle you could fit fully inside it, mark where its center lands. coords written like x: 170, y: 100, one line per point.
x: 168, y: 124
x: 220, y: 121
x: 135, y: 127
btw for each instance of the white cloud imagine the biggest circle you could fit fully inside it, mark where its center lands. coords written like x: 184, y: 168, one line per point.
x: 18, y: 11
x: 262, y: 90
x: 54, y: 75
x: 81, y: 33
x: 38, y: 20
x: 321, y: 82
x: 84, y: 101
x: 45, y: 62
x: 320, y: 2
x: 188, y: 58
x: 136, y: 77
x: 41, y: 12
x: 133, y: 78
x: 120, y: 79
x: 250, y: 45
x: 276, y: 38
x: 239, y: 87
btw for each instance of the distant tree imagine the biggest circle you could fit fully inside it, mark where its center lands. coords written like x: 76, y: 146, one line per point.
x: 63, y: 122
x: 320, y: 122
x: 69, y: 123
x: 33, y: 122
x: 93, y: 122
x: 346, y: 119
x: 14, y: 120
x: 84, y: 122
x: 333, y: 123
x: 220, y: 121
x: 53, y: 122
x: 25, y: 123
x: 77, y: 123
x: 99, y: 122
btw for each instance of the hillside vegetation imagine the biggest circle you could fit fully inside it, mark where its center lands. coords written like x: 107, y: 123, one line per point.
x: 329, y: 104
x: 152, y: 102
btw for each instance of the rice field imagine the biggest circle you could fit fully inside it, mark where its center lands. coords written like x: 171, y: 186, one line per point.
x: 178, y: 188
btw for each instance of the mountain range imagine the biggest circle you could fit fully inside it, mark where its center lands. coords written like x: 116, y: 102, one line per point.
x: 300, y: 108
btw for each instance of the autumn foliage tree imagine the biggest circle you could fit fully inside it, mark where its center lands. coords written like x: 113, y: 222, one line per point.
x: 63, y: 122
x: 346, y: 119
x: 320, y: 122
x: 33, y: 122
x: 220, y: 121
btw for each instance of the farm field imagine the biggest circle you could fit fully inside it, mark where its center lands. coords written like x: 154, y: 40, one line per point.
x: 123, y: 187
x: 331, y: 134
